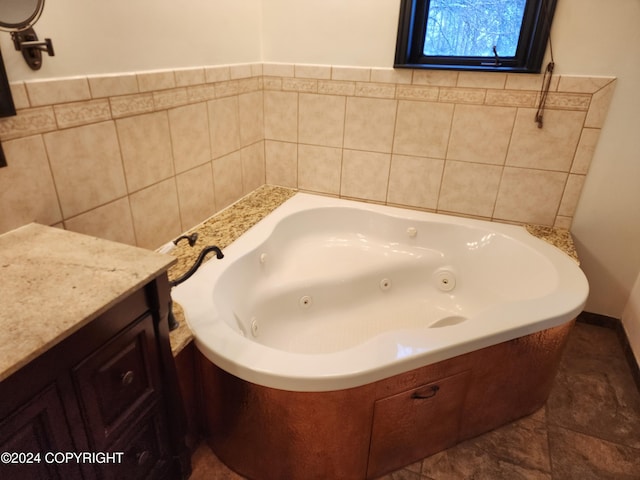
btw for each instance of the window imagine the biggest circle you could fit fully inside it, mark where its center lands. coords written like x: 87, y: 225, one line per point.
x: 486, y: 35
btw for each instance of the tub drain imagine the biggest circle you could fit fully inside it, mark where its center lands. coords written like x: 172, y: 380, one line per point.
x: 385, y: 284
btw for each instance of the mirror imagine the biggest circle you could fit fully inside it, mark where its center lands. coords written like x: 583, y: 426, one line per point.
x: 18, y: 17
x: 19, y: 14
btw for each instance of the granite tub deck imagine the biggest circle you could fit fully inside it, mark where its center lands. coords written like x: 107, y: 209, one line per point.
x: 226, y: 226
x: 54, y: 282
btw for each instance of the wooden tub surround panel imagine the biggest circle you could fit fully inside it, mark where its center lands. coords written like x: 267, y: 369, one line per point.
x: 266, y: 433
x: 416, y: 423
x: 364, y: 432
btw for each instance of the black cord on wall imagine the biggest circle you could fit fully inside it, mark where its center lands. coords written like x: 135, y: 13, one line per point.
x: 548, y: 73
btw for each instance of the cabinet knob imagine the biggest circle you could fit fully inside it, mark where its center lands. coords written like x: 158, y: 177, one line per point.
x: 127, y: 378
x: 142, y: 457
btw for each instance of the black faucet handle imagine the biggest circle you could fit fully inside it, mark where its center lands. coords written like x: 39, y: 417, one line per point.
x: 190, y: 238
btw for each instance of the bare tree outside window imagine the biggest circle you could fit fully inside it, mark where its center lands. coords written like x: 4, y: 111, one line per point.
x: 472, y: 28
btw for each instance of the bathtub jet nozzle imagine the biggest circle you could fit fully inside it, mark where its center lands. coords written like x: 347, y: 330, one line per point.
x: 173, y: 324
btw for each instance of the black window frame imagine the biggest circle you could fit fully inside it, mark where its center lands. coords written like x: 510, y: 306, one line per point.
x: 532, y: 44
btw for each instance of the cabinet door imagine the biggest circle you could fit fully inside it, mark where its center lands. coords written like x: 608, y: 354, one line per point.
x: 416, y: 423
x: 39, y: 427
x: 118, y: 382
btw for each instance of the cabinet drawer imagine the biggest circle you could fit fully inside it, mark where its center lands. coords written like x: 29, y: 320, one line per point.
x: 416, y: 423
x: 143, y: 447
x: 117, y: 381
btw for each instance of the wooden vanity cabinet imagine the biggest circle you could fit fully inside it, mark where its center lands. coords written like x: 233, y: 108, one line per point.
x: 38, y: 425
x: 109, y: 387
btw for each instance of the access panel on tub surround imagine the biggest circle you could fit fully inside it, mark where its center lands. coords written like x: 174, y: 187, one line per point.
x: 141, y: 157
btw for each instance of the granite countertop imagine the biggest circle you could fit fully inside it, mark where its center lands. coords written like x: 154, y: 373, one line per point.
x: 226, y: 226
x: 54, y: 281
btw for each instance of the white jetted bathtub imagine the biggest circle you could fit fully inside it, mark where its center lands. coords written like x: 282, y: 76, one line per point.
x: 326, y: 294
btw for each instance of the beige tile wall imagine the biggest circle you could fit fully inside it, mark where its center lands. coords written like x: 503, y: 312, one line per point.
x: 461, y: 143
x: 136, y: 158
x: 139, y: 158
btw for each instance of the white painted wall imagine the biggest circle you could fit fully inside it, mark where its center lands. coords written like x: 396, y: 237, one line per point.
x: 331, y: 32
x: 603, y: 38
x: 590, y: 37
x: 112, y: 36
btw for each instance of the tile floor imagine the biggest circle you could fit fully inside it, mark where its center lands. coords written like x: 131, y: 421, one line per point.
x: 589, y: 428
